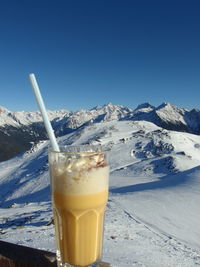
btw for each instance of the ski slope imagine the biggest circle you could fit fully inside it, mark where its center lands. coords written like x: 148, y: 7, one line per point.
x: 153, y: 212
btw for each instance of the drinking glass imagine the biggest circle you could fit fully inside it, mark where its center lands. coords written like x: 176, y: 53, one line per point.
x: 79, y: 190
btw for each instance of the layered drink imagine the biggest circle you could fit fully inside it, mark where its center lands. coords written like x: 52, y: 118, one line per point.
x: 79, y: 182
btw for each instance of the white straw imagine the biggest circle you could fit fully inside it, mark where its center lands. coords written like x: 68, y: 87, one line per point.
x: 42, y: 108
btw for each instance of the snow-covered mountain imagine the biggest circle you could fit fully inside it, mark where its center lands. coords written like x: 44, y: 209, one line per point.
x: 72, y: 119
x: 153, y: 210
x: 169, y: 116
x: 18, y: 130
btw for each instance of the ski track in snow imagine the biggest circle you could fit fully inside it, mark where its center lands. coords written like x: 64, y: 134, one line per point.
x: 128, y: 240
x: 151, y: 247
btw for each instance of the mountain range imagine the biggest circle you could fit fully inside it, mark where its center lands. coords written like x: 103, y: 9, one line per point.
x: 20, y: 130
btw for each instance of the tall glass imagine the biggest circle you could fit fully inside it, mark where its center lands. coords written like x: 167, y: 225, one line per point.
x: 79, y: 188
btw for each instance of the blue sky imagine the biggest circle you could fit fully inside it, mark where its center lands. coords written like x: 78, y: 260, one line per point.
x: 91, y: 52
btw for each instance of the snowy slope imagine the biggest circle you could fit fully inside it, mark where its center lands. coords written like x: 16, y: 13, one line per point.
x: 170, y: 113
x: 153, y: 209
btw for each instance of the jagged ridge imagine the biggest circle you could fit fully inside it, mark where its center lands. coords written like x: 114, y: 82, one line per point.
x: 18, y: 129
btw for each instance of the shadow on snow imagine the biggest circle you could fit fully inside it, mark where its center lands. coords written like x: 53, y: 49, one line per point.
x: 167, y: 181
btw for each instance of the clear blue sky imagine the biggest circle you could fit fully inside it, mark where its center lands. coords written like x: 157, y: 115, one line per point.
x: 91, y: 52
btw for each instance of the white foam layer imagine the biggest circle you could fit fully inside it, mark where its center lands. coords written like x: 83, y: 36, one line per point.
x: 79, y: 173
x: 85, y: 182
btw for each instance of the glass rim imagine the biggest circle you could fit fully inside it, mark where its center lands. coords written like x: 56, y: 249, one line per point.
x: 79, y: 149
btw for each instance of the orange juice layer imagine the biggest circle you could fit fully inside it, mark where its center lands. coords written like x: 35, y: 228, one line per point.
x: 79, y: 223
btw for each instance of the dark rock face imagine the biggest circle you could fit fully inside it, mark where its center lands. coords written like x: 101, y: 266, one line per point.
x: 14, y: 140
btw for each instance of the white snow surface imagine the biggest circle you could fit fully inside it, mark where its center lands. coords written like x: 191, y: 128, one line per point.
x: 169, y: 112
x: 153, y: 212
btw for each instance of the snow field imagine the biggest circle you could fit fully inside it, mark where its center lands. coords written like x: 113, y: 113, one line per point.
x: 153, y: 213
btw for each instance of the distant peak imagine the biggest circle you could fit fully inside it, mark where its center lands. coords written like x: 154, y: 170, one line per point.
x: 145, y: 105
x: 109, y: 104
x: 166, y: 104
x: 112, y: 107
x: 3, y: 110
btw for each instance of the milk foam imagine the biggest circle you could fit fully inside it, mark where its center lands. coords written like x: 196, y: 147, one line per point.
x: 87, y: 174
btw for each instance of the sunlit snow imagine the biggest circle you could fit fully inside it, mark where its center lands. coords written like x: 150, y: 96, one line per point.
x: 153, y: 211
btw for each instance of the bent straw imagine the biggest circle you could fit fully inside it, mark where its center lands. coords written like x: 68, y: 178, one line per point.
x: 43, y: 111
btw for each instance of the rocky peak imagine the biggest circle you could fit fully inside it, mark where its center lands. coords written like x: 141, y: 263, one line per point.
x: 145, y: 105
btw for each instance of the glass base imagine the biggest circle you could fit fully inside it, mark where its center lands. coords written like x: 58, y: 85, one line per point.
x: 96, y: 264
